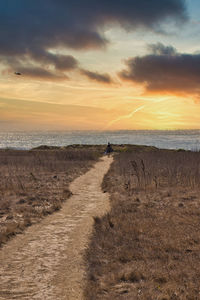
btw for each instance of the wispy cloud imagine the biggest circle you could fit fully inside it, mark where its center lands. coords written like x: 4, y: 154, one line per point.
x: 103, y: 78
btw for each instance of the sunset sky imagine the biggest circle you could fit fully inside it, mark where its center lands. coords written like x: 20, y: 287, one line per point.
x: 90, y: 64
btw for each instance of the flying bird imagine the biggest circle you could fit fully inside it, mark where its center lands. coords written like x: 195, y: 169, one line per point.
x: 17, y: 73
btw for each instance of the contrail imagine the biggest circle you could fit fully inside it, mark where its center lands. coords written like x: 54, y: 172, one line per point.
x: 124, y: 117
x: 133, y: 112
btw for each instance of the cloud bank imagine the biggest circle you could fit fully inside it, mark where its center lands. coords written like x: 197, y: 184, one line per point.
x: 165, y: 70
x: 35, y: 30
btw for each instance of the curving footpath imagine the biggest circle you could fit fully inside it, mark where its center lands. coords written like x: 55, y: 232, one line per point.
x: 46, y: 261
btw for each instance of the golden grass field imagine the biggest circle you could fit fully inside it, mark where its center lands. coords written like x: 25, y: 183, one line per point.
x: 34, y: 183
x: 148, y: 246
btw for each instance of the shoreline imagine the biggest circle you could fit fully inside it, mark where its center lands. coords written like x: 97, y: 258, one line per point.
x: 118, y: 147
x: 188, y: 140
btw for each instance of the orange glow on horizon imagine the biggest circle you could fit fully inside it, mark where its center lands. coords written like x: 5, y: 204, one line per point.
x: 68, y: 105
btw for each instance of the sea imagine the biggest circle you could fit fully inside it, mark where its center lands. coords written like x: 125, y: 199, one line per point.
x: 168, y: 139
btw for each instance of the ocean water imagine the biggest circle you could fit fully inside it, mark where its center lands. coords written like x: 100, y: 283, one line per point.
x: 179, y: 139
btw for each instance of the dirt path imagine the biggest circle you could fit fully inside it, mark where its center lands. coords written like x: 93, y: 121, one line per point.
x: 46, y: 261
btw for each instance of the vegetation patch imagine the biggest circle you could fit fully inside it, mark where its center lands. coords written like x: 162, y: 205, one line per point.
x: 35, y: 183
x: 148, y: 245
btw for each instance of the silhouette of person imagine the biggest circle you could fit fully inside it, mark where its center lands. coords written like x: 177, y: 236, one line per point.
x: 109, y: 149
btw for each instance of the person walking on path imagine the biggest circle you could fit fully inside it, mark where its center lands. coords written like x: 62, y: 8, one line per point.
x: 109, y: 149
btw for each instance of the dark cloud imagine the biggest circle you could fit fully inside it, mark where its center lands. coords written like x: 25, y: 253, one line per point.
x: 60, y: 62
x: 104, y: 78
x: 25, y: 25
x: 160, y: 49
x: 165, y: 70
x: 30, y: 29
x: 40, y: 73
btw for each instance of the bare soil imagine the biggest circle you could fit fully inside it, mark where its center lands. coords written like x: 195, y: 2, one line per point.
x: 46, y: 261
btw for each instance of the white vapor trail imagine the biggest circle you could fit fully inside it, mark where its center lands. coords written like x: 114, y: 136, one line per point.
x: 128, y: 116
x: 125, y: 116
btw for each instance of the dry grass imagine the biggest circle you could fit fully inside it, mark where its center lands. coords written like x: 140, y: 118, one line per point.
x: 35, y: 183
x: 148, y: 246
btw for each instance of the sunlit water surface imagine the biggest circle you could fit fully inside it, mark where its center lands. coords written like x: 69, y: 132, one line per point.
x: 180, y: 139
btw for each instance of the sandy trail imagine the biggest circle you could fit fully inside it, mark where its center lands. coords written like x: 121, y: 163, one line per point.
x: 46, y: 261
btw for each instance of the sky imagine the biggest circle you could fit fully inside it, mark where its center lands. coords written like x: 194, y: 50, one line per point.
x: 99, y: 65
